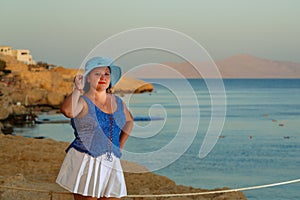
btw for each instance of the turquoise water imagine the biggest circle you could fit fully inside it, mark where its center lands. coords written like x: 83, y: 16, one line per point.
x: 259, y: 143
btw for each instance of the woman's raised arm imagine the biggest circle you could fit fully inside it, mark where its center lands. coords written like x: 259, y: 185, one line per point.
x: 73, y: 104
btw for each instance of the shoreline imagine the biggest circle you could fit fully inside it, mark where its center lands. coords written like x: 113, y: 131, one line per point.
x: 34, y: 164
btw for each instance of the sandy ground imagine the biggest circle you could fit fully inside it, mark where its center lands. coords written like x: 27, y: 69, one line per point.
x: 33, y: 164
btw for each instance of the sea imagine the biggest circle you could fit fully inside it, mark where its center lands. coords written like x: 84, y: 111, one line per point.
x: 212, y: 133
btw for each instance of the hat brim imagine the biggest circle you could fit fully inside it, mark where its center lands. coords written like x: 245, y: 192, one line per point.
x: 115, y: 73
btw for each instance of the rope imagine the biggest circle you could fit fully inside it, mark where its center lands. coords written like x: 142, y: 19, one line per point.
x: 166, y: 195
x: 219, y: 191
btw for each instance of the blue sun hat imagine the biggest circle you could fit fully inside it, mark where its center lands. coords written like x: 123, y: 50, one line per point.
x: 115, y: 71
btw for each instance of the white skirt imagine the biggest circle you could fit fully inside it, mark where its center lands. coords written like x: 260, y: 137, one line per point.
x: 83, y: 174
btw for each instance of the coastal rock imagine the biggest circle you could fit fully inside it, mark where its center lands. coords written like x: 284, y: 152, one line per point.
x: 5, y: 106
x: 13, y: 64
x: 18, y: 109
x: 36, y: 96
x: 66, y: 74
x: 4, y: 113
x: 130, y: 85
x: 18, y: 96
x: 55, y: 98
x: 6, y: 128
x: 1, y: 127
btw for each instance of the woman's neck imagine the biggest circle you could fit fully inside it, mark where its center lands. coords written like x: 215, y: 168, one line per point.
x: 98, y: 96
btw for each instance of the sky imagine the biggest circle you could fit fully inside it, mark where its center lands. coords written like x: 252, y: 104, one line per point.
x: 63, y: 32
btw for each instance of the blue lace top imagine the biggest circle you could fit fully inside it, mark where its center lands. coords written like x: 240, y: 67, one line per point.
x: 96, y: 129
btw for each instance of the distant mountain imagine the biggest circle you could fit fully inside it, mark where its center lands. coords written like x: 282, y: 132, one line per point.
x: 247, y: 66
x: 238, y: 66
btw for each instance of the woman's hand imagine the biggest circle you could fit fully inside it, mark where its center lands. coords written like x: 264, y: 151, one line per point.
x: 79, y: 82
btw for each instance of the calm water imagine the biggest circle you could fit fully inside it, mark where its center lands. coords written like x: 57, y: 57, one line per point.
x: 259, y: 142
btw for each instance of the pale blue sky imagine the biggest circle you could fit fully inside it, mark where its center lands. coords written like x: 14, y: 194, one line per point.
x: 63, y: 32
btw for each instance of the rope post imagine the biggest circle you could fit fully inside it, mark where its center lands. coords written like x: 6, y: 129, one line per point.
x: 50, y: 193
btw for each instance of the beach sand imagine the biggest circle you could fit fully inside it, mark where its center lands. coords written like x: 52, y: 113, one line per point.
x: 33, y: 164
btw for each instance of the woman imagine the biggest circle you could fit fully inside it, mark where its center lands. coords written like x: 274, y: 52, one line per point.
x: 102, y: 124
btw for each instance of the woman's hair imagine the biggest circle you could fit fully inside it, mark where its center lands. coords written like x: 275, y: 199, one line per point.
x: 87, y: 85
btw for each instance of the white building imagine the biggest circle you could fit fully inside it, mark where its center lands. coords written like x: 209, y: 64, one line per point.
x: 20, y: 54
x: 6, y: 50
x: 23, y: 56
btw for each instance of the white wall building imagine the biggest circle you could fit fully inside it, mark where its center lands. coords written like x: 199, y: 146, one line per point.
x: 6, y: 50
x: 22, y: 55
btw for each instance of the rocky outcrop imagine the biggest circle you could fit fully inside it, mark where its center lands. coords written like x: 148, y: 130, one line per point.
x: 130, y: 85
x: 35, y: 87
x: 5, y: 107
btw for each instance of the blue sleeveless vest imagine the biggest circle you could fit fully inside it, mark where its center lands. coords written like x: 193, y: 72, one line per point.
x: 93, y: 131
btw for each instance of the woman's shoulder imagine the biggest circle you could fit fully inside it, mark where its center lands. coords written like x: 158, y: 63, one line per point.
x: 116, y: 98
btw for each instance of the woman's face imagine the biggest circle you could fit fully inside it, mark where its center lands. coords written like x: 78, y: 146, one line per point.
x: 99, y: 78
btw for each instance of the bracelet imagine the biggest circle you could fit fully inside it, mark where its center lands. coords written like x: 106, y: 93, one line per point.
x: 76, y: 88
